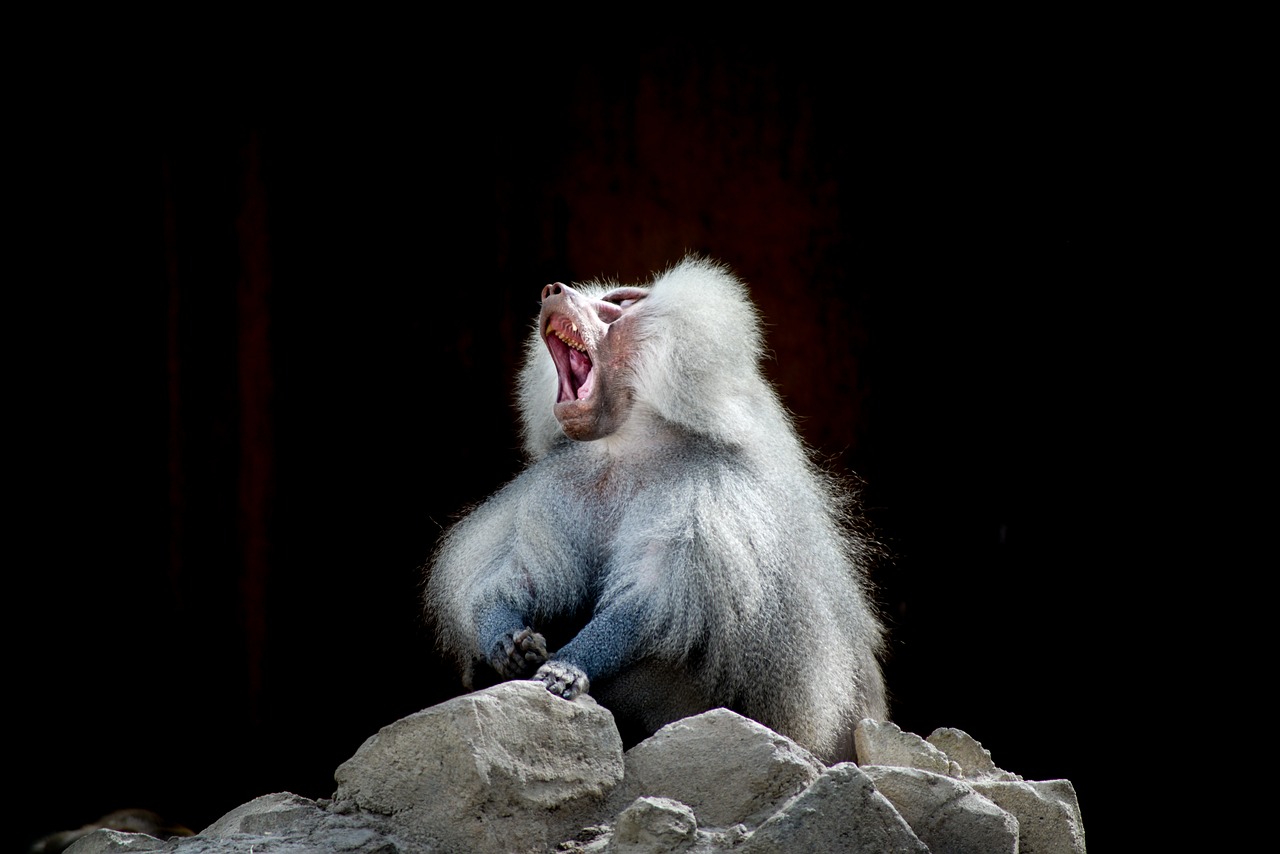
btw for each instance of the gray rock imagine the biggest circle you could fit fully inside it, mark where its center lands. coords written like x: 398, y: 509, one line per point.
x: 841, y: 813
x: 593, y: 839
x: 1048, y: 814
x: 947, y: 814
x: 884, y: 743
x: 282, y: 813
x: 654, y: 826
x: 104, y: 841
x: 974, y: 760
x: 138, y: 825
x: 281, y: 823
x: 515, y: 769
x: 507, y: 769
x: 285, y: 822
x: 727, y: 768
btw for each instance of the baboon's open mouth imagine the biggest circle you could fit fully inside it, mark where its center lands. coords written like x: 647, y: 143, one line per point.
x: 569, y: 352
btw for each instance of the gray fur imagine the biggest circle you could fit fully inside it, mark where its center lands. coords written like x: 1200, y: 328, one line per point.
x: 686, y: 547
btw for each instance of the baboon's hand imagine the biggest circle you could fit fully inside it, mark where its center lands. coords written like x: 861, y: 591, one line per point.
x: 517, y: 654
x: 563, y: 680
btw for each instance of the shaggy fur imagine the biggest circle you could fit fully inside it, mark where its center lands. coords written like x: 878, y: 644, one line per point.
x: 681, y: 551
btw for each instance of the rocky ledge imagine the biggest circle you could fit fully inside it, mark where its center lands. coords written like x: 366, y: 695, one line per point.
x: 514, y: 769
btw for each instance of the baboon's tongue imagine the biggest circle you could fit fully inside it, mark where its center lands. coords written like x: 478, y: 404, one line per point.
x: 580, y: 367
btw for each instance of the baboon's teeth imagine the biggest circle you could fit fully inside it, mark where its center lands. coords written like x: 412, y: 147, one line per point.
x: 569, y: 342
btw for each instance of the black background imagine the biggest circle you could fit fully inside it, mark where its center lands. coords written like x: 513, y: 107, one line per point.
x: 280, y: 298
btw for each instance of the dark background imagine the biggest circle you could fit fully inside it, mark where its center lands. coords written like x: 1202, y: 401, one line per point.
x: 279, y: 305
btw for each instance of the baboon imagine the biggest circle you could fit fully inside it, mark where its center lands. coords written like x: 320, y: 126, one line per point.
x: 671, y: 546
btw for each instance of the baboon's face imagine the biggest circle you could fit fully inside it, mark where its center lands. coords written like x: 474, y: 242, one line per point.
x: 591, y: 341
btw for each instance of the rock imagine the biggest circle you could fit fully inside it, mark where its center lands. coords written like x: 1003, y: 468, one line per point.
x: 1047, y: 811
x: 510, y: 768
x: 727, y: 768
x: 515, y: 769
x: 841, y: 812
x: 654, y: 826
x: 135, y: 827
x: 279, y: 814
x: 281, y: 823
x: 286, y: 820
x: 884, y: 743
x: 593, y: 839
x: 974, y: 760
x: 106, y: 841
x: 947, y: 814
